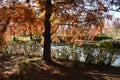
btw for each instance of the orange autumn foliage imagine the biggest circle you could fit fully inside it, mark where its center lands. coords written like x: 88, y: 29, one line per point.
x: 82, y: 23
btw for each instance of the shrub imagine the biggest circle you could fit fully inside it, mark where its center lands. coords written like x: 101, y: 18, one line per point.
x: 102, y: 37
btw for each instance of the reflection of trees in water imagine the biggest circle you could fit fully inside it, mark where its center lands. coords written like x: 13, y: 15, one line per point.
x: 88, y: 55
x: 23, y: 48
x: 83, y: 54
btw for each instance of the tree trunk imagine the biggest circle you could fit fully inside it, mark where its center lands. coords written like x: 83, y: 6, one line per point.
x: 47, y: 35
x: 110, y: 60
x: 31, y: 38
x: 14, y: 38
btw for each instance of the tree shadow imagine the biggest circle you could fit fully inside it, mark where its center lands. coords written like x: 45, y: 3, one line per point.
x: 78, y: 71
x: 104, y: 71
x: 65, y: 70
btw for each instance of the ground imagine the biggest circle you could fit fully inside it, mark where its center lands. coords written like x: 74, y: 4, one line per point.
x: 24, y: 68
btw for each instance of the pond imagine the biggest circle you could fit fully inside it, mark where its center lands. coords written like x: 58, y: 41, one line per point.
x: 83, y: 54
x: 96, y: 55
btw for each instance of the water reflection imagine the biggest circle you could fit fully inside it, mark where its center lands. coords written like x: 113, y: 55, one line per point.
x: 84, y: 54
x: 88, y: 55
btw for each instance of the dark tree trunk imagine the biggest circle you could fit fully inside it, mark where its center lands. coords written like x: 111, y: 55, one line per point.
x: 31, y: 38
x: 110, y: 60
x: 14, y: 38
x: 47, y: 35
x: 88, y: 59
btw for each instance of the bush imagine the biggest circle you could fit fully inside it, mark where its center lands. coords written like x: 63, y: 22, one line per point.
x: 102, y: 37
x: 106, y: 45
